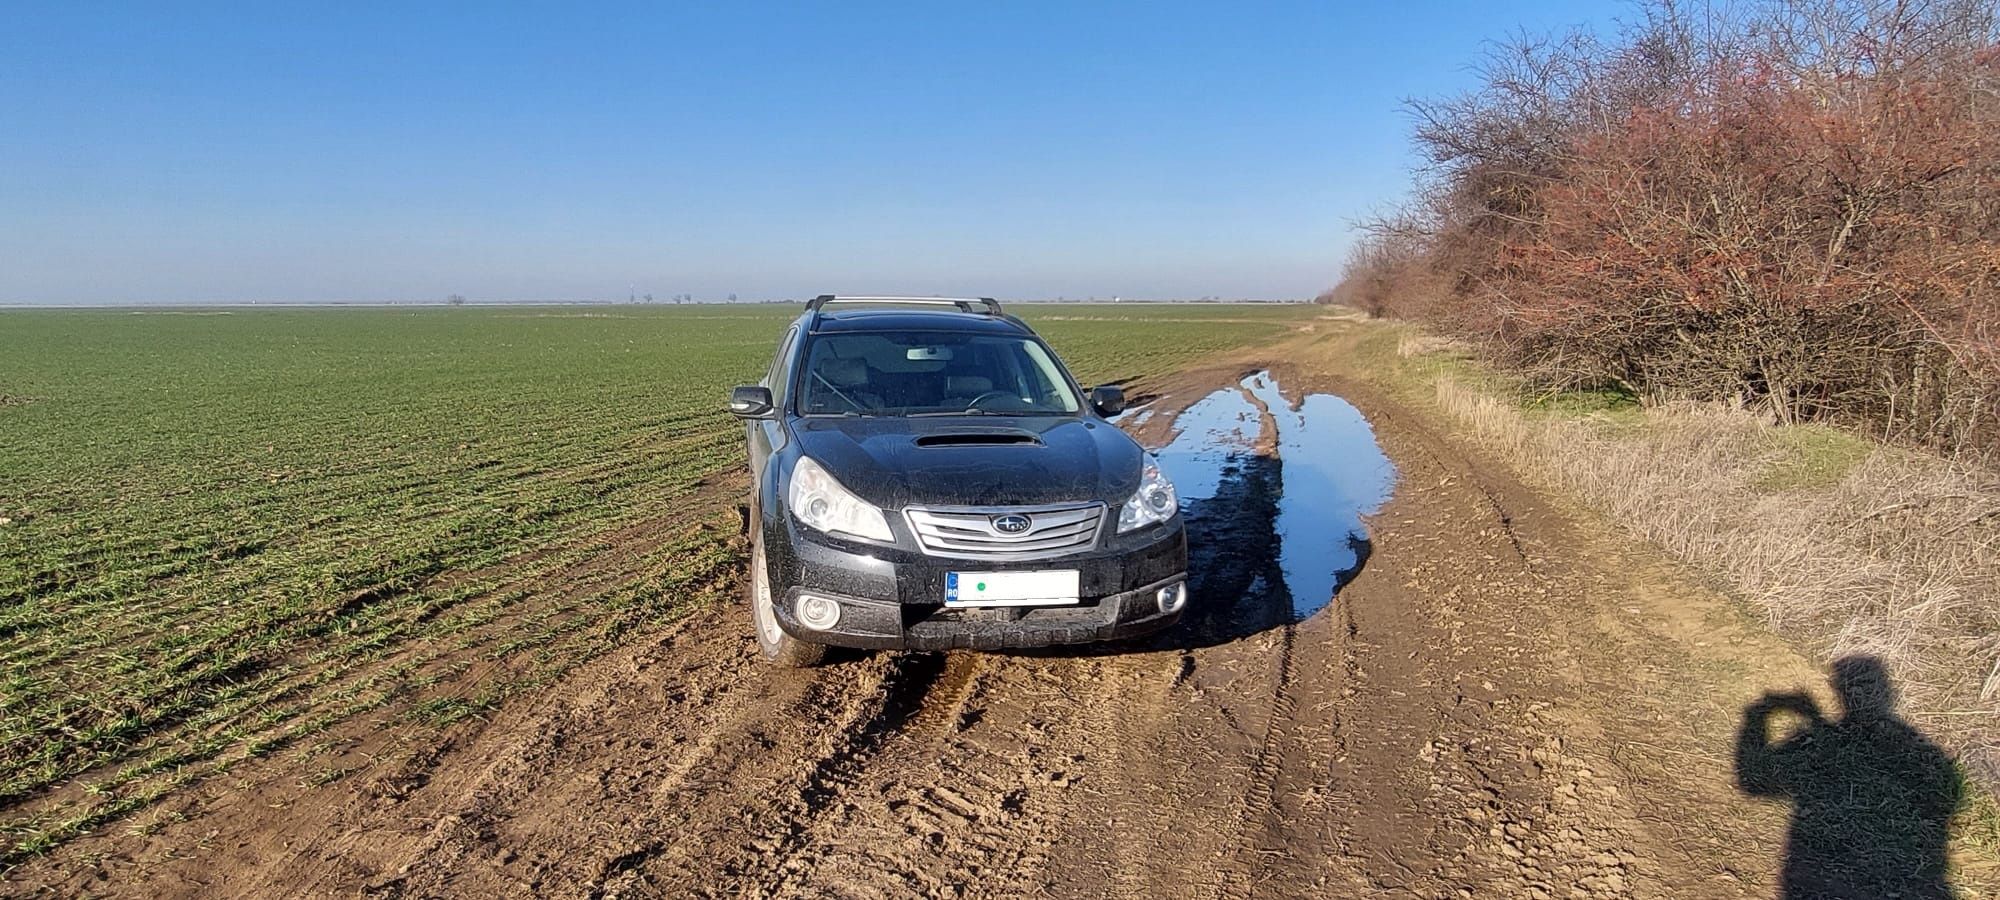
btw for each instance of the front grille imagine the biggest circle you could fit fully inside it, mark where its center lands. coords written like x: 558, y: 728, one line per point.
x: 971, y: 534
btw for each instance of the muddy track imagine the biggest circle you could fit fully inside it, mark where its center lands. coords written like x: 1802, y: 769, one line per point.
x: 1460, y: 721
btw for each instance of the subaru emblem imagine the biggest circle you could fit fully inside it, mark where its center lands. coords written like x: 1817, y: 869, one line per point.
x: 1012, y: 524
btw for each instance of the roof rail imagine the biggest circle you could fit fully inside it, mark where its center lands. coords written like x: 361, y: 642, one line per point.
x: 991, y: 306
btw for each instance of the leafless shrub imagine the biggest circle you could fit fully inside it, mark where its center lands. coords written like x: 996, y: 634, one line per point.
x: 1793, y: 206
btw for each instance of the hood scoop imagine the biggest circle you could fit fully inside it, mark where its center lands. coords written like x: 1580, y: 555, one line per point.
x: 979, y: 439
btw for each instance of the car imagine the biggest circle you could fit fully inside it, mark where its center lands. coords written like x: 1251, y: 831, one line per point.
x: 926, y: 475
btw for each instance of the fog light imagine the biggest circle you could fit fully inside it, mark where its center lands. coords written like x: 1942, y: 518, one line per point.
x: 1172, y: 597
x: 817, y: 613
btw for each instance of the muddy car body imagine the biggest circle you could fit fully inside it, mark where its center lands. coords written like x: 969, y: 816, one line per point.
x: 927, y: 475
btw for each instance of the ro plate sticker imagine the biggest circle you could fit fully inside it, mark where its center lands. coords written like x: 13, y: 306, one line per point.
x: 951, y: 587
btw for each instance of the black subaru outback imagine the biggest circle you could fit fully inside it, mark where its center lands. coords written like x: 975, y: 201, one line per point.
x: 927, y: 475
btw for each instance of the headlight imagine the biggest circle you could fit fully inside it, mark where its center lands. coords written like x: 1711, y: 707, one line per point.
x: 1153, y: 502
x: 821, y: 502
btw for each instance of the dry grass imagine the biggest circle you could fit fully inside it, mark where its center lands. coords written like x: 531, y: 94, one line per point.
x: 1844, y: 545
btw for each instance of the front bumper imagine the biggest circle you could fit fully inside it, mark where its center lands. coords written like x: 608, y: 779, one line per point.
x: 893, y: 597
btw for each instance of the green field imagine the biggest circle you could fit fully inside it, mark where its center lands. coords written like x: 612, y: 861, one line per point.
x: 223, y: 533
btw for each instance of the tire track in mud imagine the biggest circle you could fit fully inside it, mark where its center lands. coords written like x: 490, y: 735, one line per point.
x: 964, y: 795
x: 1258, y: 801
x: 1195, y: 757
x: 521, y: 776
x: 831, y: 731
x: 903, y: 692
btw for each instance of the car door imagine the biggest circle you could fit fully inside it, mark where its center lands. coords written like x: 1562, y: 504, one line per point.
x: 767, y: 435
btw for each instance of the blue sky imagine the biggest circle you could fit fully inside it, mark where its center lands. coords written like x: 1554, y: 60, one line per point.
x: 182, y: 153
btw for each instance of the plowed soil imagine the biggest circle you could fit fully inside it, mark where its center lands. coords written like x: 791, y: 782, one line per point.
x: 1505, y: 699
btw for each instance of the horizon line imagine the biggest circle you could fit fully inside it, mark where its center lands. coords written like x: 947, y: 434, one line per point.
x: 428, y: 304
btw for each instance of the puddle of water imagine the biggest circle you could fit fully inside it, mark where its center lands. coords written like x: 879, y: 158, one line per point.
x: 1211, y: 436
x: 1331, y: 472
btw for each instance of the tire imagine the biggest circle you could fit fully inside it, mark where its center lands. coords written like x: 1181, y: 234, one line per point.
x: 777, y: 647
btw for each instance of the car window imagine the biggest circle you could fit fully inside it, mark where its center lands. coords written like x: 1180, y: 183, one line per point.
x: 931, y: 373
x: 774, y: 377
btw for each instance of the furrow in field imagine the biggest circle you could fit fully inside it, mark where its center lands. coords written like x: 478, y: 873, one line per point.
x: 129, y: 627
x: 357, y: 674
x: 407, y: 506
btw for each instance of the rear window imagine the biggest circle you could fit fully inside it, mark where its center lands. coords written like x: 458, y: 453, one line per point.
x: 900, y: 373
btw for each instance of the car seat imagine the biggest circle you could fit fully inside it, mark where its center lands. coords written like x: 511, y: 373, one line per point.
x: 840, y: 385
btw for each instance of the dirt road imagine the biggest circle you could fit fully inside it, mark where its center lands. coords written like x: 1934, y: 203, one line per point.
x: 1504, y: 699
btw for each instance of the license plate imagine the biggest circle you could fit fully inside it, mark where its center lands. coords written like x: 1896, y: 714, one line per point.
x: 1051, y: 588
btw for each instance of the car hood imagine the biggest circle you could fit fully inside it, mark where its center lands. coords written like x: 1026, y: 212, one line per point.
x: 895, y: 462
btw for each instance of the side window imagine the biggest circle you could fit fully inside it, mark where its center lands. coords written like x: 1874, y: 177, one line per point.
x: 775, y: 378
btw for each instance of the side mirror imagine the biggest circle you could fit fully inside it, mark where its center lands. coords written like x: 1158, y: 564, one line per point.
x: 1107, y: 399
x: 750, y: 401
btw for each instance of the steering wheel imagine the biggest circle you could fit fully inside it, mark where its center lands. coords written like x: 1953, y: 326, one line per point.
x: 982, y: 398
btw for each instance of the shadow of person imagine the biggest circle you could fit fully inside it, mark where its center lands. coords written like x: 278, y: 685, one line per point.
x: 1872, y: 799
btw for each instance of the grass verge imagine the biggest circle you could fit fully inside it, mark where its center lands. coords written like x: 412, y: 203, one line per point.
x: 1841, y: 544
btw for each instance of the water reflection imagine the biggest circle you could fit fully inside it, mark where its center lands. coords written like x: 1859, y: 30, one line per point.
x: 1211, y: 437
x: 1330, y: 474
x: 1133, y: 416
x: 1333, y: 474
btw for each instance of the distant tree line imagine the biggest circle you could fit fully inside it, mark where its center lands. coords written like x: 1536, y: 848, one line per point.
x: 1794, y: 205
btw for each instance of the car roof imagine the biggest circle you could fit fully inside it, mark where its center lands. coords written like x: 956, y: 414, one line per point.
x: 879, y: 319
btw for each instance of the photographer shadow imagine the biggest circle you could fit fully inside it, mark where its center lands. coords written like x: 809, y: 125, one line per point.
x: 1872, y: 798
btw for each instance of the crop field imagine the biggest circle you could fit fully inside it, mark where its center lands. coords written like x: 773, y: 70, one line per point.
x: 224, y: 535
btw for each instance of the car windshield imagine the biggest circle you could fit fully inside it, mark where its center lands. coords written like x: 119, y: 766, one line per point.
x: 906, y: 373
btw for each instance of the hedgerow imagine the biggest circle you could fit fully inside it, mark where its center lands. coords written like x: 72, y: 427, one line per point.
x: 1789, y: 206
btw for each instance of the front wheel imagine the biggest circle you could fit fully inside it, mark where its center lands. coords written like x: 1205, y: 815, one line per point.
x: 778, y: 647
